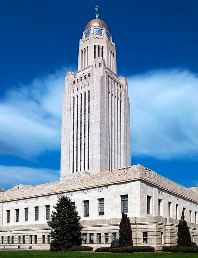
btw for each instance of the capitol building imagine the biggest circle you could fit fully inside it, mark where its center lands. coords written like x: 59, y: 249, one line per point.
x: 96, y: 172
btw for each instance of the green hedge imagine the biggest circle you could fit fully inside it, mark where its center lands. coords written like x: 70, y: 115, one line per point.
x: 81, y: 248
x: 180, y: 249
x: 149, y: 249
x: 133, y: 249
x: 103, y: 249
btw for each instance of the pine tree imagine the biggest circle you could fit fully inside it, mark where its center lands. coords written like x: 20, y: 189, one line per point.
x: 65, y: 226
x: 125, y: 231
x: 184, y: 237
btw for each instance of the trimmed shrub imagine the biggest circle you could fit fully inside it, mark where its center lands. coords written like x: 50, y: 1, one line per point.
x: 147, y: 249
x: 133, y: 249
x: 103, y: 249
x: 184, y: 237
x: 80, y: 248
x: 125, y: 232
x: 122, y: 249
x: 180, y: 249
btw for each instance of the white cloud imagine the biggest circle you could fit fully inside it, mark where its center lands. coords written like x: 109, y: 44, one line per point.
x: 164, y: 114
x: 30, y: 117
x: 164, y: 108
x: 11, y: 175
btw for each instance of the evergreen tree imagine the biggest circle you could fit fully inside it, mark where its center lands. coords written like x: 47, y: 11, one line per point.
x: 184, y: 237
x: 65, y: 226
x: 125, y: 231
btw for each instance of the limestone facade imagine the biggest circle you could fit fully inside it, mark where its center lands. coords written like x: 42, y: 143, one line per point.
x: 153, y: 203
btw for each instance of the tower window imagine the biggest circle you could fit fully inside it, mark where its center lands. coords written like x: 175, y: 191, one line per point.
x: 86, y: 208
x: 36, y: 213
x: 43, y: 239
x: 162, y: 238
x: 106, y: 238
x: 8, y: 216
x: 35, y: 239
x: 98, y: 51
x: 94, y: 51
x: 77, y: 133
x: 91, y: 238
x: 80, y: 131
x: 17, y: 215
x: 159, y: 207
x: 47, y: 211
x: 169, y: 209
x: 73, y: 132
x: 85, y: 103
x: 101, y: 206
x: 177, y: 211
x: 102, y: 50
x: 145, y: 237
x: 81, y: 59
x: 88, y: 126
x: 124, y: 203
x: 149, y: 204
x: 26, y: 214
x: 98, y: 238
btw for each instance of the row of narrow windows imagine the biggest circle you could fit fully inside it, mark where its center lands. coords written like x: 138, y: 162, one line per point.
x: 101, y: 209
x: 31, y: 239
x: 107, y: 238
x: 98, y: 51
x: 115, y: 124
x: 101, y: 206
x: 87, y: 238
x: 124, y: 207
x: 81, y: 132
x: 25, y: 215
x: 170, y: 208
x: 81, y: 78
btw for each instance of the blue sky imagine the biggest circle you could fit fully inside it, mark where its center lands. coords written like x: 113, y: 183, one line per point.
x: 156, y: 49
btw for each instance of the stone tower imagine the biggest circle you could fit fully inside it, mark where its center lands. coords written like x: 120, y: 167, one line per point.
x: 96, y: 111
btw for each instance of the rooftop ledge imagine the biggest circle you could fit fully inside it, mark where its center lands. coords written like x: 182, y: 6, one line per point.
x: 85, y: 181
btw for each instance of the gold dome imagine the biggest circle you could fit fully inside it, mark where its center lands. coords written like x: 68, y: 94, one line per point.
x: 96, y: 23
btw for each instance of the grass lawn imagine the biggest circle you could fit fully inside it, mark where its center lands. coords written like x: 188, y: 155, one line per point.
x: 46, y: 254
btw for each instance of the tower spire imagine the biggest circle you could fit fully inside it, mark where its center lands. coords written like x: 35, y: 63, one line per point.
x: 97, y: 11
